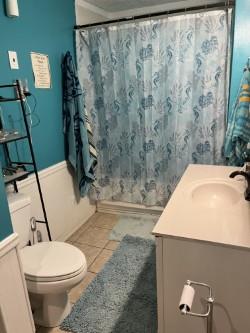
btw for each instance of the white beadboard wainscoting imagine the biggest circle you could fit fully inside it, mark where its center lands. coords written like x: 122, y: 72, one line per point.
x: 66, y: 211
x: 15, y: 310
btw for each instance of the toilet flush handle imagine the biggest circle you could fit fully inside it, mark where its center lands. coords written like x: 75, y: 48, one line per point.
x: 33, y: 228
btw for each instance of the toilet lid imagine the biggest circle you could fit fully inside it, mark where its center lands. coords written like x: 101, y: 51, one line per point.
x: 50, y: 260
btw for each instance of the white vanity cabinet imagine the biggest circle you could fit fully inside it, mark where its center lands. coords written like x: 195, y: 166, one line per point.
x: 205, y: 245
x: 15, y: 311
x: 226, y: 269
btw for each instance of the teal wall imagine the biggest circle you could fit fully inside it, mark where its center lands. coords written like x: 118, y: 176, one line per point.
x: 46, y: 27
x: 241, y: 47
x: 5, y: 222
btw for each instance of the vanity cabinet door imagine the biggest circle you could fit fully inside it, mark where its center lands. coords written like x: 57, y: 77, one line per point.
x: 15, y: 311
x: 179, y: 267
x: 225, y: 268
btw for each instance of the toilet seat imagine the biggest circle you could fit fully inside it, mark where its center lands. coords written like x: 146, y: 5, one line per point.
x: 52, y: 261
x: 52, y: 279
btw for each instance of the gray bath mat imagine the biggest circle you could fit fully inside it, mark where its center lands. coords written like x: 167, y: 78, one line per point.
x: 122, y: 297
x: 138, y: 226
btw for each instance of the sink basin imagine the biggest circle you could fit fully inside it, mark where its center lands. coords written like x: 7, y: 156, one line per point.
x: 215, y: 194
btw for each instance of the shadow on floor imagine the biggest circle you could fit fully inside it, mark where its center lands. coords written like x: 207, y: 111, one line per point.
x: 140, y: 312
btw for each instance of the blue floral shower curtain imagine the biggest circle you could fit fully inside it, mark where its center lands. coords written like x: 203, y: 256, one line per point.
x: 156, y: 91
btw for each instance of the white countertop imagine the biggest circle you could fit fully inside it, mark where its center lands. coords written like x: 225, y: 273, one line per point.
x: 181, y: 218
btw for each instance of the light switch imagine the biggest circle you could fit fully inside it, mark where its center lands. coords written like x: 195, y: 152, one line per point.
x: 13, y: 60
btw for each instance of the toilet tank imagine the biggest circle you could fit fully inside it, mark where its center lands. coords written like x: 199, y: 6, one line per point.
x: 20, y: 212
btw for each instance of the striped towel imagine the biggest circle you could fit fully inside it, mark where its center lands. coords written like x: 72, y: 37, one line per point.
x: 80, y: 148
x: 237, y: 143
x: 92, y: 148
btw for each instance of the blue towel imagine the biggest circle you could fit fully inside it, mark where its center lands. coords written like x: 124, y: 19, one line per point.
x: 237, y: 143
x: 80, y: 148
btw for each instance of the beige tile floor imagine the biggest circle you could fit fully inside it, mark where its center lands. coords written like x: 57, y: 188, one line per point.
x: 92, y: 239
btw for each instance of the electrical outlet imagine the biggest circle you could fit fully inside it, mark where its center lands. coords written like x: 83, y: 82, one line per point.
x: 13, y: 60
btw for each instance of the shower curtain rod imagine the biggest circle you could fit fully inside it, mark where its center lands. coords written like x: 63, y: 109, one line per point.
x: 227, y: 4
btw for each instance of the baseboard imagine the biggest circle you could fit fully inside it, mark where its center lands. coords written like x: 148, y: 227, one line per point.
x: 127, y: 208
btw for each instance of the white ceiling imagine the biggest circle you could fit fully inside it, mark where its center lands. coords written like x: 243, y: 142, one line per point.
x: 122, y: 5
x: 93, y: 11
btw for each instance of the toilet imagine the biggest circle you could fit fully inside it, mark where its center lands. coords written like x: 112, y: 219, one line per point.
x: 51, y: 269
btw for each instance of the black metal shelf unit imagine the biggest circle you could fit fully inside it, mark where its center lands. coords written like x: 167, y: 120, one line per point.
x: 13, y: 178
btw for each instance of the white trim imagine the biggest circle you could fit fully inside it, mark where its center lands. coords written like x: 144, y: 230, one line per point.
x: 127, y: 208
x: 8, y: 244
x: 43, y: 174
x: 94, y: 9
x: 11, y: 243
x: 25, y: 287
x: 65, y: 210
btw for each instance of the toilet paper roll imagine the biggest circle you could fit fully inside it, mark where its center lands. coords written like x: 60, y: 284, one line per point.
x: 187, y: 298
x: 12, y: 8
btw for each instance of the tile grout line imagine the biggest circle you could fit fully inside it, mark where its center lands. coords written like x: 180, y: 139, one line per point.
x: 94, y: 226
x: 88, y: 228
x: 97, y: 247
x: 102, y: 228
x: 94, y: 246
x: 96, y: 259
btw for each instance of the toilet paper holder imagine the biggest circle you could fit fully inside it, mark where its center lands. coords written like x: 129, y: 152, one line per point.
x: 186, y: 302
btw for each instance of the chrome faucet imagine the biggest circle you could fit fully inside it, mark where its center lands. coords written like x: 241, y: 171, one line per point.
x: 245, y: 174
